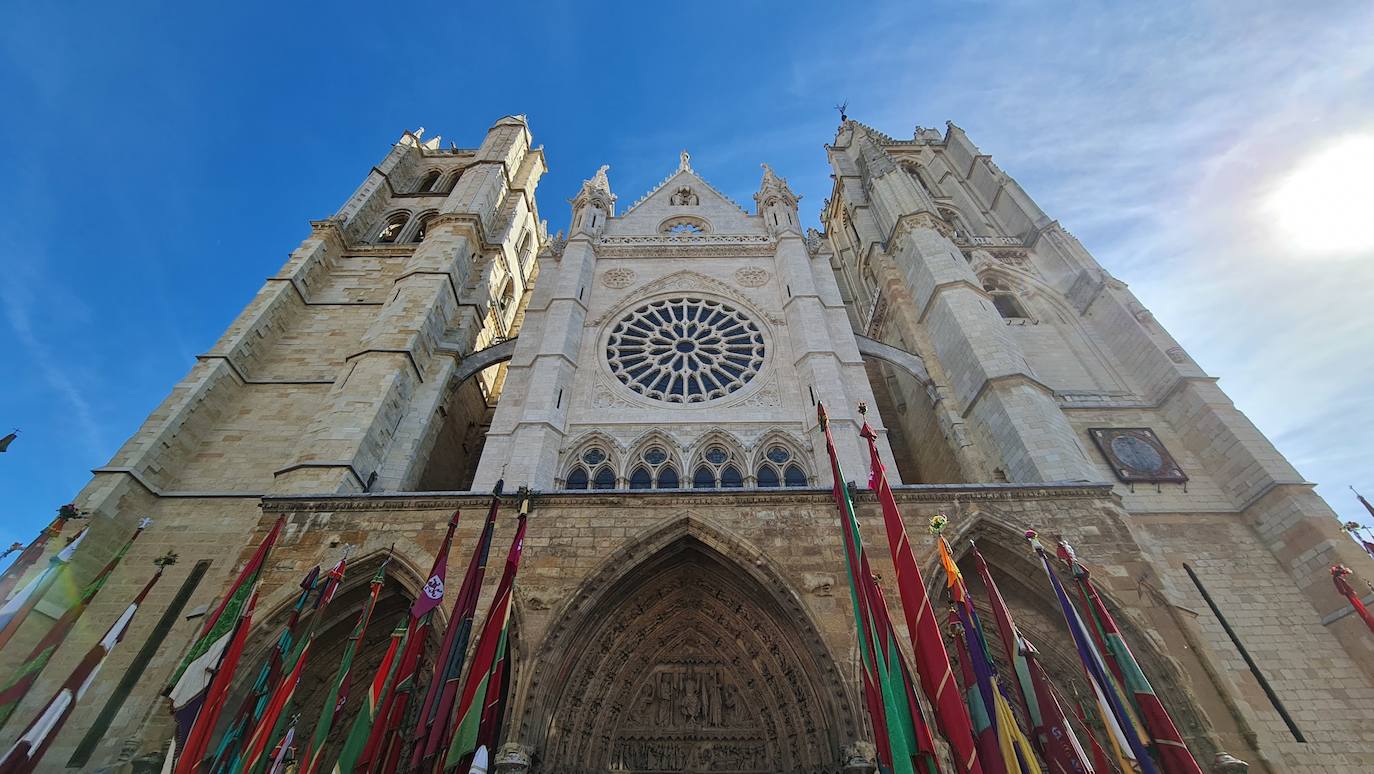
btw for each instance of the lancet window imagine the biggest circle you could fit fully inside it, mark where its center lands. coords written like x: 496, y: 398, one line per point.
x: 393, y: 226
x: 422, y: 229
x: 780, y: 466
x: 718, y: 466
x: 1004, y: 298
x: 428, y: 182
x: 594, y: 469
x: 654, y: 469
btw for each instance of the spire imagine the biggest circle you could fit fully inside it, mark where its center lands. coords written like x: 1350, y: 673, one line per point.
x: 873, y: 159
x: 594, y: 203
x: 773, y: 188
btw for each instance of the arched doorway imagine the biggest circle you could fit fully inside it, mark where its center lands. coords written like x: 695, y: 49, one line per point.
x: 694, y: 658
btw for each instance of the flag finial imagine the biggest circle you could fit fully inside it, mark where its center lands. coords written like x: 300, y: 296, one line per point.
x: 938, y: 523
x: 863, y: 408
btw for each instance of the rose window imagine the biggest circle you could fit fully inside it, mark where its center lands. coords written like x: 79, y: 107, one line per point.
x: 685, y: 350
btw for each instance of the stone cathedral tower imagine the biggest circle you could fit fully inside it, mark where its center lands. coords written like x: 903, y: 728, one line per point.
x: 682, y: 603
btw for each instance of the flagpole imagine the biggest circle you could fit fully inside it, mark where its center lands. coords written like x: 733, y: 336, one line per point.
x: 28, y: 750
x: 433, y: 723
x: 927, y: 644
x: 16, y: 610
x: 476, y: 723
x: 34, y: 551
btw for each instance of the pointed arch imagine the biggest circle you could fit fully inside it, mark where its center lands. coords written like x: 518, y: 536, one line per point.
x: 584, y: 468
x: 656, y: 453
x: 717, y: 460
x: 687, y: 628
x: 1037, y: 613
x: 779, y: 456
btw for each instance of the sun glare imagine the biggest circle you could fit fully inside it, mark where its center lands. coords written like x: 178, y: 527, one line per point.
x: 1325, y: 206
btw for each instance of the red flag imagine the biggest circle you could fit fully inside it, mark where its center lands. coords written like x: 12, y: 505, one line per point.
x: 216, y: 694
x: 1050, y: 729
x: 932, y: 660
x: 1338, y: 574
x: 433, y: 723
x: 27, y: 751
x: 384, y: 749
x: 1100, y: 763
x: 1174, y: 757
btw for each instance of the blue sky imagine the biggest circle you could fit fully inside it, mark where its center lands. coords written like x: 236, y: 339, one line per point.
x: 157, y: 161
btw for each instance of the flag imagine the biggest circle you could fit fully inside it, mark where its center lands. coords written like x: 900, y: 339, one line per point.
x: 880, y: 695
x: 17, y: 609
x: 31, y: 554
x: 1174, y: 757
x: 284, y: 750
x: 479, y: 717
x: 1121, y: 732
x: 23, y: 678
x: 384, y: 748
x: 985, y: 733
x: 1014, y: 752
x: 190, y: 683
x: 255, y: 703
x: 1049, y: 727
x: 1100, y: 763
x: 202, y: 724
x: 270, y: 725
x: 27, y: 751
x: 433, y: 723
x: 908, y: 708
x: 338, y: 692
x: 361, y: 733
x: 932, y: 660
x: 1343, y: 586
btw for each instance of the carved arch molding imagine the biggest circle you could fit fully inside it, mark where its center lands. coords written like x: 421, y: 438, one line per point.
x: 687, y: 663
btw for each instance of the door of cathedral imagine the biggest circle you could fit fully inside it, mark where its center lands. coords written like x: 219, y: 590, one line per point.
x: 690, y: 662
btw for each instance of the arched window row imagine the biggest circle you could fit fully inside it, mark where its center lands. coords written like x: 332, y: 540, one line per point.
x: 435, y: 181
x: 397, y: 228
x: 718, y: 465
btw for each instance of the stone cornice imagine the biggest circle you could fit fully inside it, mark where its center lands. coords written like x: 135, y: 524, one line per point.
x: 688, y: 246
x: 915, y: 493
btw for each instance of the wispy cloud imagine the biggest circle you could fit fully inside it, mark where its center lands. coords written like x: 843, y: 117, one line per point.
x: 1155, y: 134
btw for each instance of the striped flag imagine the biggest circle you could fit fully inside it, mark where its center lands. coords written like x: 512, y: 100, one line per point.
x: 910, y: 717
x: 361, y: 733
x: 255, y: 703
x: 270, y: 727
x: 1121, y: 732
x: 17, y: 608
x: 985, y: 733
x: 383, y: 750
x: 479, y: 709
x: 32, y: 553
x: 1174, y: 757
x: 191, y: 682
x: 932, y: 660
x: 23, y: 678
x: 887, y: 702
x: 1050, y: 728
x: 1014, y: 753
x: 433, y: 724
x: 338, y: 691
x: 27, y: 751
x: 197, y: 744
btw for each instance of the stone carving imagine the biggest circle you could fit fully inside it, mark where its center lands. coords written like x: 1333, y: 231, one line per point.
x: 1226, y: 763
x: 604, y: 397
x: 618, y: 278
x: 751, y: 276
x: 511, y: 758
x: 691, y: 280
x: 766, y: 396
x: 684, y: 197
x: 859, y: 758
x: 1177, y: 354
x: 819, y: 584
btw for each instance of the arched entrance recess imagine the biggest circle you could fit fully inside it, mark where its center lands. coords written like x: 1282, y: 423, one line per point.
x: 687, y: 652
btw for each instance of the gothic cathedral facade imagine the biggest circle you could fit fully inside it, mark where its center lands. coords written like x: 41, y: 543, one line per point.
x: 654, y: 374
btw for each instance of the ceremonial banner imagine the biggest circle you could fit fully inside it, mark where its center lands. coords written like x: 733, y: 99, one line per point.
x: 338, y: 692
x: 433, y: 724
x: 932, y: 660
x: 482, y: 691
x: 1126, y: 744
x: 1174, y: 757
x: 17, y: 609
x: 23, y: 678
x: 27, y: 751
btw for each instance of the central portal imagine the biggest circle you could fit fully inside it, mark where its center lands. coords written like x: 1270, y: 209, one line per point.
x: 688, y: 662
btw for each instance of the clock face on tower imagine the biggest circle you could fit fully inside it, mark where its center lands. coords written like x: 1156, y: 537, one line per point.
x: 1136, y: 454
x: 685, y: 350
